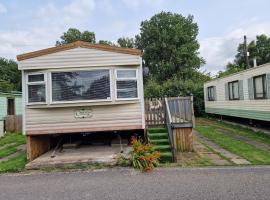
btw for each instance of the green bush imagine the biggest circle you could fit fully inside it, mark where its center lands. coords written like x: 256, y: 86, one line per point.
x: 178, y: 87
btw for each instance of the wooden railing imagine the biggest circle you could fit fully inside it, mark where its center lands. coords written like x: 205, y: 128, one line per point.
x: 177, y: 114
x: 154, y: 112
x: 181, y: 111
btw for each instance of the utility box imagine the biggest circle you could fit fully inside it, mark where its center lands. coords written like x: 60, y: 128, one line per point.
x: 1, y: 128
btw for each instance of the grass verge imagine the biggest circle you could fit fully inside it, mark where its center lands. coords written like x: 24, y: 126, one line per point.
x: 249, y: 152
x: 15, y: 164
x: 10, y: 142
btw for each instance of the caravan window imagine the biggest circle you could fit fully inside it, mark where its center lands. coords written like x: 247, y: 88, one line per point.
x: 36, y: 87
x: 234, y: 90
x: 91, y: 85
x: 259, y: 83
x: 126, y: 84
x: 211, y: 95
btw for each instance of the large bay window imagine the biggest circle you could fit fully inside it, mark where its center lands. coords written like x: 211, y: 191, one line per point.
x: 36, y: 88
x: 81, y: 85
x: 126, y: 84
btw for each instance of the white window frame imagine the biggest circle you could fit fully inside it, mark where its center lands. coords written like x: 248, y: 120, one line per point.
x: 81, y: 101
x: 126, y: 79
x: 36, y: 83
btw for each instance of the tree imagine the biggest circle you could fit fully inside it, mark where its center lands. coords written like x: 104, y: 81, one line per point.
x: 126, y: 42
x: 259, y: 50
x: 231, y: 68
x: 170, y: 45
x: 73, y: 35
x: 106, y: 42
x: 10, y: 76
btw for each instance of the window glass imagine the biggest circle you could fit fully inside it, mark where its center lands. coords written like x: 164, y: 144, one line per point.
x: 126, y: 84
x: 126, y: 73
x: 211, y: 93
x: 259, y: 87
x: 81, y: 85
x: 236, y: 90
x: 127, y: 89
x: 36, y: 78
x: 36, y: 93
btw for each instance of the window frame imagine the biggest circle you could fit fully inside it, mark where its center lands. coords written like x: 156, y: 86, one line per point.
x: 126, y: 79
x: 44, y: 82
x: 208, y: 96
x: 80, y: 101
x: 229, y: 88
x: 263, y: 84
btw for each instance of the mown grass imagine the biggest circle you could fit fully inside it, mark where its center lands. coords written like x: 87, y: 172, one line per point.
x: 15, y: 164
x: 10, y: 142
x: 247, y: 151
x: 8, y: 150
x: 237, y: 129
x: 10, y: 138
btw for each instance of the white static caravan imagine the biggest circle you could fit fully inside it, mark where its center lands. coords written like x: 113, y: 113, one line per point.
x: 245, y: 94
x: 80, y: 87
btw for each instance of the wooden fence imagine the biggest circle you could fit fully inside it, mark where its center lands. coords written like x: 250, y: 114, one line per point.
x: 13, y: 123
x: 181, y: 110
x: 155, y: 112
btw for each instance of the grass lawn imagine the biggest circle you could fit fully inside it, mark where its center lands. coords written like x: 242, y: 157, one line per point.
x: 10, y: 142
x: 15, y: 164
x: 211, y: 130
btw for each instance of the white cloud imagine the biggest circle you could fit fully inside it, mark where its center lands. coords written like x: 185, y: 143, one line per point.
x: 3, y: 9
x: 218, y: 51
x: 72, y: 14
x: 51, y: 22
x: 137, y: 3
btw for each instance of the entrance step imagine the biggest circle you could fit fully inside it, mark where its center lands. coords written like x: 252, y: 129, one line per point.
x: 159, y: 138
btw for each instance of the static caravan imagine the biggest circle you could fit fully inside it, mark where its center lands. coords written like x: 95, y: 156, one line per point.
x: 10, y: 104
x: 80, y: 88
x: 245, y: 94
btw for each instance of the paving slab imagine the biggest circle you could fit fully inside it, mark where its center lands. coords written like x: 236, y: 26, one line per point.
x: 7, y: 145
x: 85, y: 154
x: 11, y: 156
x: 229, y: 155
x: 204, y: 152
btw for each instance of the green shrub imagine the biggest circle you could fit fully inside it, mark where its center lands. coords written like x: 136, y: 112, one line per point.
x: 177, y: 87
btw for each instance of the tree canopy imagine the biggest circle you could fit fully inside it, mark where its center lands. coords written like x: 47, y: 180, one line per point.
x: 73, y: 35
x: 10, y: 76
x: 126, y: 42
x: 259, y: 50
x: 170, y: 45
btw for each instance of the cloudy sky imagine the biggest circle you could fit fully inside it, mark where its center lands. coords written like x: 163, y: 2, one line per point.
x: 35, y: 24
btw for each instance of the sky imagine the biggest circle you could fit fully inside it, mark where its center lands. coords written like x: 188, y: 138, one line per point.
x: 29, y: 25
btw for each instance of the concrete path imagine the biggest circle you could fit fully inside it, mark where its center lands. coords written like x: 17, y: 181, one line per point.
x: 247, y: 140
x: 126, y: 184
x: 84, y: 154
x: 20, y: 149
x: 232, y: 157
x: 7, y: 145
x: 204, y: 152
